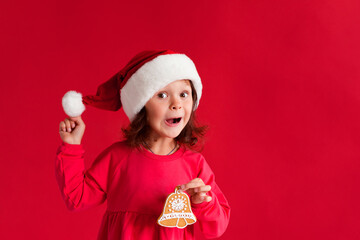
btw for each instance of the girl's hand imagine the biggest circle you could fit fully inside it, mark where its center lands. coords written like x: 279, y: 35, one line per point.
x: 72, y: 130
x: 197, y: 190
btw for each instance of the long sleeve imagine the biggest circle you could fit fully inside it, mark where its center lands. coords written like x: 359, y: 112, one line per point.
x: 81, y: 189
x: 213, y: 216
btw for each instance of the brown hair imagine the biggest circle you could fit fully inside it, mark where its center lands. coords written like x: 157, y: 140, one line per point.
x: 192, y: 136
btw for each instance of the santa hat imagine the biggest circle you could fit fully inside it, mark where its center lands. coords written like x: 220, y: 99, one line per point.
x: 136, y: 83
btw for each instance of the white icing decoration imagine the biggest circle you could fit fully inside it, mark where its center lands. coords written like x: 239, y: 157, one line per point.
x: 178, y: 205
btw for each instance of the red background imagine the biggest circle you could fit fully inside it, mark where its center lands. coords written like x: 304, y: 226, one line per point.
x: 281, y: 97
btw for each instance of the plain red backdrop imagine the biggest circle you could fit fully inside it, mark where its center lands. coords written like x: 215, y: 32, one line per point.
x: 281, y: 97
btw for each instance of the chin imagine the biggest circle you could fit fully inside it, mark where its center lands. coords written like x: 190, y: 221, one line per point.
x: 172, y: 134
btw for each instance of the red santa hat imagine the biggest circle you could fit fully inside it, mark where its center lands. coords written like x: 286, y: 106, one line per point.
x: 136, y: 83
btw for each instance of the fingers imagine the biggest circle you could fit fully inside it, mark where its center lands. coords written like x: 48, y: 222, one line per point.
x: 197, y: 185
x: 197, y: 182
x: 77, y: 120
x: 205, y: 188
x: 70, y: 123
x: 197, y: 189
x: 64, y: 126
x: 201, y: 197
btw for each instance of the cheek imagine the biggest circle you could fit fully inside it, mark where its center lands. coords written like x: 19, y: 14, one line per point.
x: 189, y: 109
x: 154, y: 113
x: 157, y: 114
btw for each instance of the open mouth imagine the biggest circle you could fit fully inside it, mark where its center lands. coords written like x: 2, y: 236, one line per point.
x: 173, y: 120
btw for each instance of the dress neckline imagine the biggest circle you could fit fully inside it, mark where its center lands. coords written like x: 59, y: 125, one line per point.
x: 176, y: 155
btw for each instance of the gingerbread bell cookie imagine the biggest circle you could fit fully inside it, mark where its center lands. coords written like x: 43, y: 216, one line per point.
x: 177, y: 211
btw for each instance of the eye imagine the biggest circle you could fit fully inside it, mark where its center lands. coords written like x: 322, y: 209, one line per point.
x: 162, y: 95
x: 184, y: 94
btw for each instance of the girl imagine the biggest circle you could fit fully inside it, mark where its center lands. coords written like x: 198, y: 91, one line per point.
x: 159, y: 92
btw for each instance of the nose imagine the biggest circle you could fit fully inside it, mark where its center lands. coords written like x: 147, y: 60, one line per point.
x: 175, y: 104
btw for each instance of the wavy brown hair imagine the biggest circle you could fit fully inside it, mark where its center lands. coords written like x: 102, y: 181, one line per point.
x: 192, y: 136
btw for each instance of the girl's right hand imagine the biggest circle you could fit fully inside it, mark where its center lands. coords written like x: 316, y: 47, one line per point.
x: 72, y: 130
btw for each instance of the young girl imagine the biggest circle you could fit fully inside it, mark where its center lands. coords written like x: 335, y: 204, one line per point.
x: 159, y: 92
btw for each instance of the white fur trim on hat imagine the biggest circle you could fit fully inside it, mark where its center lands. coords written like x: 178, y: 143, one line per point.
x: 72, y: 104
x: 154, y: 75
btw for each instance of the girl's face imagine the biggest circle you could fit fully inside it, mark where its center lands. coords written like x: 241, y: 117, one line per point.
x: 169, y: 110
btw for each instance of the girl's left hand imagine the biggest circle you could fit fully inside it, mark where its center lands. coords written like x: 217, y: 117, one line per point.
x: 197, y: 190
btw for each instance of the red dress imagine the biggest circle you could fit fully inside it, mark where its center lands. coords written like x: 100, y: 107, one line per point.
x: 135, y: 184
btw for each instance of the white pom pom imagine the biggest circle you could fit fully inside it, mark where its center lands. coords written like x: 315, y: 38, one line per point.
x: 72, y: 104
